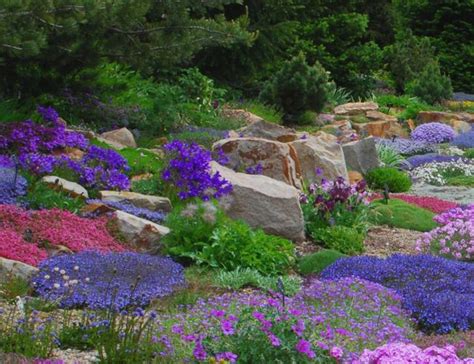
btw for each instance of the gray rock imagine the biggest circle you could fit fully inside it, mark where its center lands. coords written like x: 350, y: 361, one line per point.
x: 270, y: 131
x: 72, y: 188
x: 355, y: 108
x: 361, y: 156
x: 122, y: 136
x: 263, y: 202
x: 13, y: 268
x: 154, y: 203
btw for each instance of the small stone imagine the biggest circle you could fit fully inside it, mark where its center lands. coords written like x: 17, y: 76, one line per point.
x: 122, y: 136
x: 72, y: 188
x: 16, y: 269
x: 154, y: 203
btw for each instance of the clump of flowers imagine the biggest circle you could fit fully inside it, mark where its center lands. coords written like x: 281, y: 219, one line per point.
x: 464, y: 140
x: 420, y: 160
x: 435, y: 133
x: 438, y: 291
x: 437, y: 173
x: 12, y: 185
x: 128, y: 207
x: 409, y: 353
x: 107, y: 280
x: 189, y: 171
x: 33, y: 233
x: 454, y: 238
x: 407, y: 146
x: 430, y: 203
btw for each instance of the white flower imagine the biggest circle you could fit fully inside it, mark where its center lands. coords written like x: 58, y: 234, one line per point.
x: 76, y: 267
x: 47, y: 276
x: 87, y: 279
x: 62, y: 271
x: 56, y: 269
x: 65, y: 277
x: 56, y: 285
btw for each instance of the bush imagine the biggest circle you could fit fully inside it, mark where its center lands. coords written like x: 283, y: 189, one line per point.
x: 107, y: 280
x: 403, y: 215
x: 395, y: 180
x: 430, y: 85
x: 297, y: 87
x: 438, y: 291
x: 248, y: 277
x: 203, y: 234
x: 341, y: 238
x: 317, y: 262
x: 435, y: 133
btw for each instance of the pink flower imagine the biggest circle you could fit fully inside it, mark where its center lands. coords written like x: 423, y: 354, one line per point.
x: 336, y: 352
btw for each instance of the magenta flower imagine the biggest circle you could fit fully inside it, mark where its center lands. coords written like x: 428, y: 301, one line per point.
x: 336, y: 352
x: 304, y: 347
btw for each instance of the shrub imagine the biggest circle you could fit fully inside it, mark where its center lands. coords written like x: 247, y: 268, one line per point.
x: 403, y: 215
x: 29, y: 235
x: 454, y: 238
x: 407, y: 146
x: 316, y: 262
x: 433, y: 133
x: 107, y: 280
x: 409, y: 353
x: 389, y: 157
x: 437, y: 291
x: 392, y: 178
x: 464, y: 140
x: 189, y: 172
x: 430, y: 85
x: 12, y: 186
x: 249, y: 277
x: 411, y: 105
x: 341, y: 238
x: 297, y: 87
x: 439, y: 173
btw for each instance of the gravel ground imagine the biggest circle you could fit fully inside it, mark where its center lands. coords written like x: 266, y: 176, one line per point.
x: 383, y: 241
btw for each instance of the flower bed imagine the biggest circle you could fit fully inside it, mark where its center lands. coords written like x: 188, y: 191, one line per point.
x: 464, y: 140
x: 420, y: 160
x: 433, y: 204
x: 433, y: 133
x: 33, y: 233
x: 439, y: 292
x: 128, y: 207
x: 438, y: 173
x: 407, y: 146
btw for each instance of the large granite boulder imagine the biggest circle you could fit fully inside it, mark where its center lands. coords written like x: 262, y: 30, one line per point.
x: 278, y: 160
x: 122, y: 136
x: 355, y: 108
x: 263, y: 202
x: 361, y: 156
x: 13, y: 268
x: 270, y: 131
x: 320, y: 153
x: 139, y: 233
x: 72, y: 188
x: 154, y: 203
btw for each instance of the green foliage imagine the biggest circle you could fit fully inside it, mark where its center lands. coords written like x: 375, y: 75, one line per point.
x: 400, y: 214
x: 249, y: 277
x: 150, y: 186
x: 469, y: 153
x: 141, y: 161
x: 266, y: 112
x: 411, y: 105
x: 307, y: 118
x: 337, y: 95
x: 360, y: 119
x: 12, y: 286
x: 297, y: 87
x: 395, y: 180
x: 316, y: 262
x: 389, y: 157
x: 467, y: 181
x: 203, y: 234
x: 430, y: 85
x: 341, y: 238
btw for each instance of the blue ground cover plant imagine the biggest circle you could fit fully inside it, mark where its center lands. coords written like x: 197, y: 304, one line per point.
x: 439, y: 292
x: 12, y: 185
x: 107, y: 280
x: 128, y: 207
x: 433, y: 133
x: 464, y: 140
x: 419, y: 160
x: 407, y: 146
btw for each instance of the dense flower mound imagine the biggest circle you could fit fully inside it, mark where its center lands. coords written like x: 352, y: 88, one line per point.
x: 433, y: 133
x: 34, y: 232
x: 37, y: 148
x: 407, y: 146
x: 426, y: 202
x: 454, y: 238
x: 12, y: 185
x: 464, y: 140
x: 439, y: 292
x: 419, y: 160
x: 436, y: 173
x: 189, y: 171
x: 328, y: 319
x: 396, y: 353
x: 128, y: 207
x: 103, y: 280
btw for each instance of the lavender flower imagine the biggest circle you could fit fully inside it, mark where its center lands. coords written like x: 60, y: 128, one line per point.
x: 433, y: 133
x: 128, y: 207
x: 407, y: 146
x: 12, y: 185
x: 419, y: 160
x: 256, y: 169
x: 464, y: 140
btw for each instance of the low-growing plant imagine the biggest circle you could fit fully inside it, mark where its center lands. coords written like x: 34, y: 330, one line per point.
x: 315, y: 263
x: 389, y: 157
x: 467, y: 181
x: 12, y: 185
x: 344, y: 239
x: 388, y: 177
x: 464, y: 140
x: 266, y: 112
x: 407, y: 147
x: 438, y: 173
x: 12, y: 286
x: 149, y: 186
x: 249, y: 277
x: 434, y: 133
x: 469, y: 153
x: 141, y: 161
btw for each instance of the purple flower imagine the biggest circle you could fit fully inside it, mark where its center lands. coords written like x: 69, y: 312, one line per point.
x: 304, y: 347
x: 336, y: 352
x: 433, y: 133
x: 227, y: 356
x: 227, y: 327
x: 199, y: 352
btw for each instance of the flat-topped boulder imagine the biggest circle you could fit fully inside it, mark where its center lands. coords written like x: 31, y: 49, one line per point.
x: 72, y: 188
x: 320, y: 156
x: 354, y: 108
x: 270, y: 131
x: 361, y: 156
x: 263, y: 202
x: 12, y: 268
x: 154, y: 203
x: 277, y: 160
x: 122, y: 137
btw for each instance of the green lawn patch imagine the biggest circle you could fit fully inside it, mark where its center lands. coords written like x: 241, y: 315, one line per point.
x: 316, y: 262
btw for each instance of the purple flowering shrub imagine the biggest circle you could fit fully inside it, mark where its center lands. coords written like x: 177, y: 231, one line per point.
x: 38, y: 149
x: 12, y: 185
x: 409, y: 353
x: 189, y: 172
x: 419, y: 160
x: 433, y: 133
x: 464, y: 140
x: 407, y: 146
x: 128, y: 207
x: 439, y: 292
x: 454, y: 238
x: 103, y: 280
